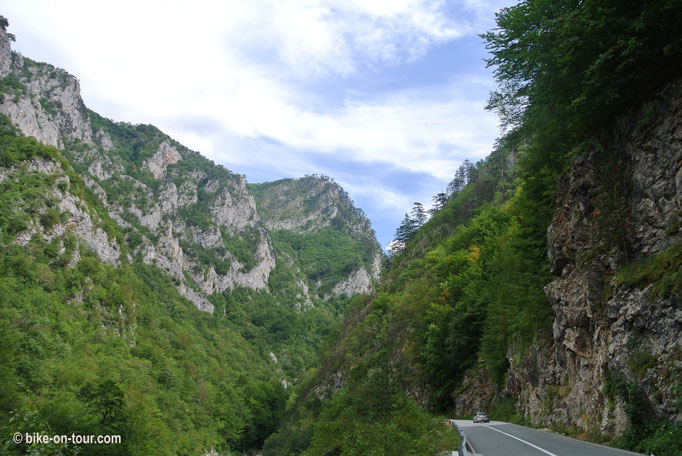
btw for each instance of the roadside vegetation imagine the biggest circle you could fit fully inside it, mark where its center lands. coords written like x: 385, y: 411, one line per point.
x: 89, y: 346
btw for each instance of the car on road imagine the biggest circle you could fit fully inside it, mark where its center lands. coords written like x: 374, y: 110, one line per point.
x: 481, y: 417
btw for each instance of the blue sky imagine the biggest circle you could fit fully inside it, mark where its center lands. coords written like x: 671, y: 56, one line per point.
x: 386, y: 97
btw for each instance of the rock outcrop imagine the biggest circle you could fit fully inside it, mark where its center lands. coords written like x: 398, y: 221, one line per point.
x: 44, y: 101
x: 358, y: 282
x: 180, y: 212
x: 615, y: 343
x: 164, y: 156
x: 5, y: 52
x: 619, y: 204
x: 76, y: 216
x: 313, y: 203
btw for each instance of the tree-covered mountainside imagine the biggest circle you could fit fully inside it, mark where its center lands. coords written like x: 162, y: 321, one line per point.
x: 546, y: 286
x: 199, y: 222
x: 314, y: 221
x: 144, y: 293
x: 99, y: 348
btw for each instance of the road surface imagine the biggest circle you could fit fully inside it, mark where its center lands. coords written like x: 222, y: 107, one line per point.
x: 498, y: 438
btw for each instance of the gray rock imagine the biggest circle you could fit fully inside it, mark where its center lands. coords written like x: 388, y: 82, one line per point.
x: 5, y: 53
x: 53, y: 112
x: 81, y: 222
x: 164, y: 156
x: 602, y: 328
x: 358, y: 282
x: 591, y: 336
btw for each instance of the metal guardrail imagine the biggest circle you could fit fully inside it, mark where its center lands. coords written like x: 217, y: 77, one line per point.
x: 462, y: 450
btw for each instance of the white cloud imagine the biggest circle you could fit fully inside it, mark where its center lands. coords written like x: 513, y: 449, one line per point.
x: 311, y: 38
x: 404, y: 131
x: 159, y: 61
x: 391, y: 200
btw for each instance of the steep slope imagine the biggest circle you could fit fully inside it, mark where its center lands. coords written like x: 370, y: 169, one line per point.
x: 180, y: 211
x: 199, y: 222
x: 96, y: 343
x: 390, y: 355
x: 469, y: 316
x: 614, y: 243
x: 150, y: 272
x: 308, y: 214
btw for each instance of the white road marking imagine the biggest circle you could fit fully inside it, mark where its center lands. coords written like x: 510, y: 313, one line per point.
x: 520, y: 440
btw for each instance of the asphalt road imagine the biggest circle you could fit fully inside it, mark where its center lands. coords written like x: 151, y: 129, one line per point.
x: 498, y: 438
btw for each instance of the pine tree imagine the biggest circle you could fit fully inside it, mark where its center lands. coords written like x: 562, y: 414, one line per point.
x: 419, y: 214
x: 439, y: 201
x: 461, y: 178
x: 406, y: 230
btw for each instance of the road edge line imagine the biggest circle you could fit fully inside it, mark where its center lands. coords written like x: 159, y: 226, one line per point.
x: 520, y: 440
x: 473, y: 450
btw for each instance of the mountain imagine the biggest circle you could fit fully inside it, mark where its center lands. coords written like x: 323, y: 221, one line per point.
x: 315, y: 211
x: 547, y: 289
x: 185, y: 300
x: 195, y: 220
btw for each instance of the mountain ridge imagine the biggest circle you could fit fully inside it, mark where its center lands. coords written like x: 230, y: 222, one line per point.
x: 168, y: 199
x: 141, y: 292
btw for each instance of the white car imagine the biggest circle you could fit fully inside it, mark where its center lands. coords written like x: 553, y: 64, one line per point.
x: 481, y: 417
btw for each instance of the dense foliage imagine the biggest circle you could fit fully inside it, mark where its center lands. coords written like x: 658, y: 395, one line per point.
x: 371, y: 414
x: 142, y: 353
x: 93, y: 348
x: 573, y: 65
x: 467, y: 286
x: 275, y: 317
x: 565, y: 71
x: 326, y: 256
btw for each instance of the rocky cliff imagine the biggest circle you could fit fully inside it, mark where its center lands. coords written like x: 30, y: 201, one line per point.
x: 181, y: 212
x: 618, y: 207
x: 316, y: 204
x: 64, y: 211
x: 615, y: 352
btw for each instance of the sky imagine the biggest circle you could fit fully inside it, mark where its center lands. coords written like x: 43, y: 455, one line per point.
x: 385, y: 96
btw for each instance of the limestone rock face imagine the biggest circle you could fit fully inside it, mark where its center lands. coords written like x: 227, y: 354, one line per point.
x: 47, y: 105
x: 182, y: 213
x: 314, y: 203
x: 235, y: 209
x: 83, y: 223
x: 166, y: 155
x: 358, y: 282
x: 5, y: 53
x: 615, y: 206
x: 604, y: 330
x: 287, y: 204
x: 104, y: 140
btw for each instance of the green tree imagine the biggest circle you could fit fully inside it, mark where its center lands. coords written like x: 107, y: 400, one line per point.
x: 419, y: 215
x: 406, y: 230
x: 574, y: 64
x: 439, y: 200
